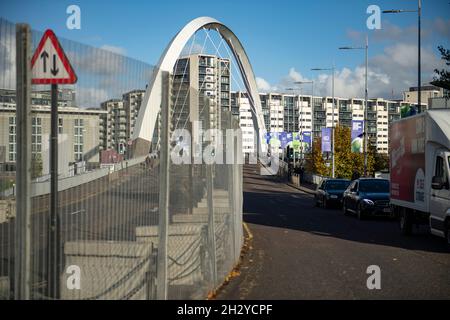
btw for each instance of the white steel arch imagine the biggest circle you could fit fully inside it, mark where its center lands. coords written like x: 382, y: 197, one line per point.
x: 145, y: 123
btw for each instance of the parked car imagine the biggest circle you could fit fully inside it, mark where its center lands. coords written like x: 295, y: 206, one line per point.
x: 367, y: 196
x: 330, y: 192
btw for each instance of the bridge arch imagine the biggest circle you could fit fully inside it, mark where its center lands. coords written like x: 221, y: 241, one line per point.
x: 146, y: 121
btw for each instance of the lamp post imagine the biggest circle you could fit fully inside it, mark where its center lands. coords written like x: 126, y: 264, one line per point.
x: 332, y: 114
x: 419, y: 75
x: 293, y: 90
x: 301, y: 115
x: 366, y: 48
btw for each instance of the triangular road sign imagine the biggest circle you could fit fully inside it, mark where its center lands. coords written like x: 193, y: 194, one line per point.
x: 49, y: 64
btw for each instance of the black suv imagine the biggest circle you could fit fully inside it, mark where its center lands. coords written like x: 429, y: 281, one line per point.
x: 367, y: 196
x: 330, y: 191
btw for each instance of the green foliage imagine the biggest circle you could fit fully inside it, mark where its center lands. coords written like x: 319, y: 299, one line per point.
x: 443, y: 76
x: 345, y: 161
x: 318, y: 163
x: 36, y: 166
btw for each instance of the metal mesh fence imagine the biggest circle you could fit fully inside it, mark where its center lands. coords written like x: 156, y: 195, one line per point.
x: 107, y: 241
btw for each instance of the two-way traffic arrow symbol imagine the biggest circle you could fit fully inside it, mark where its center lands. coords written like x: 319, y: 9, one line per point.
x: 54, y: 70
x: 44, y: 56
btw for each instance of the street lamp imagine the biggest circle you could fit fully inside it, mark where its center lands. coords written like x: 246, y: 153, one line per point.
x: 332, y: 113
x: 293, y: 90
x: 366, y: 124
x: 301, y: 114
x: 419, y: 80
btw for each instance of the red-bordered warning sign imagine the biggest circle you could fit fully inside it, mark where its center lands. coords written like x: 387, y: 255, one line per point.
x: 49, y: 64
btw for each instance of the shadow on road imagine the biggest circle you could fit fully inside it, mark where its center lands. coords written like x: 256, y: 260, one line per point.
x: 269, y: 202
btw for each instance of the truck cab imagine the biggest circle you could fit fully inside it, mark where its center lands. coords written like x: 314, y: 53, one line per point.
x: 440, y: 195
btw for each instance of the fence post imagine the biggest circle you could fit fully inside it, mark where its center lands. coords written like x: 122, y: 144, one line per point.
x: 161, y: 290
x: 231, y: 186
x: 210, y: 204
x: 22, y: 254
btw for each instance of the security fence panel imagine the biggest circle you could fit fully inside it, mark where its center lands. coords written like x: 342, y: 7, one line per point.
x: 159, y: 219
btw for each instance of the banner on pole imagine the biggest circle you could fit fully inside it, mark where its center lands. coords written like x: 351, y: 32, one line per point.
x: 357, y: 144
x: 326, y: 139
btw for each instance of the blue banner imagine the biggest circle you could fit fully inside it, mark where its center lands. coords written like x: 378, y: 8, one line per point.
x: 283, y: 139
x: 357, y: 136
x: 306, y: 141
x: 326, y: 139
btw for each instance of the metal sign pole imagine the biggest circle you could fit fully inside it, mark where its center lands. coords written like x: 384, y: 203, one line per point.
x: 54, y: 260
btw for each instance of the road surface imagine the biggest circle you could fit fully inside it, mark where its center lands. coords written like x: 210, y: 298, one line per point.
x: 300, y: 251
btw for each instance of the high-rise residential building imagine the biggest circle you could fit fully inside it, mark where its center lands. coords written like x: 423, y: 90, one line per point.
x: 245, y: 121
x: 195, y: 78
x: 132, y: 103
x: 303, y: 113
x: 114, y: 122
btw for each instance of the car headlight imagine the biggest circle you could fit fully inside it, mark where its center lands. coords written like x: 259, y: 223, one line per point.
x: 368, y: 201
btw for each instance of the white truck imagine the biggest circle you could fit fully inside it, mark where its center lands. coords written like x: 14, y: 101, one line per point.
x: 420, y: 171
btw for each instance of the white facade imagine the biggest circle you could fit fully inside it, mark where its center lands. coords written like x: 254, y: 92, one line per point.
x: 280, y: 114
x: 246, y: 123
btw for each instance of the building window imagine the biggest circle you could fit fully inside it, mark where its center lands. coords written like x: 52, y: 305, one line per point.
x: 60, y: 125
x: 78, y: 139
x: 12, y: 139
x: 36, y: 135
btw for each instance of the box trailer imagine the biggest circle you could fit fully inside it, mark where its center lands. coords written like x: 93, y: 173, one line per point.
x: 420, y: 171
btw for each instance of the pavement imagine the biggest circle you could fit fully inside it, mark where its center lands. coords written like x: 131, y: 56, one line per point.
x: 299, y: 251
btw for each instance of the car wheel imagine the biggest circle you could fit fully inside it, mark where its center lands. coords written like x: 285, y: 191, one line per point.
x: 325, y: 204
x: 360, y: 212
x: 405, y: 223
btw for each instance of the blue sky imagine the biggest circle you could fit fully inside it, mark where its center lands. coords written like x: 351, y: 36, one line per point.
x: 283, y: 39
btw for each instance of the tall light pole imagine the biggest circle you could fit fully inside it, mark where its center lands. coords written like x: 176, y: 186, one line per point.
x: 419, y: 72
x: 366, y: 48
x: 294, y: 91
x: 332, y: 113
x: 301, y: 115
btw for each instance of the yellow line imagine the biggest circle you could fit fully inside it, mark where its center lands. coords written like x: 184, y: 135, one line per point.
x: 247, y: 229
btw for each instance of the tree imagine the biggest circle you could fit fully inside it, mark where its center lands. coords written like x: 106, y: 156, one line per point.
x: 317, y: 162
x: 346, y: 162
x: 443, y: 76
x: 381, y: 162
x: 343, y: 158
x: 36, y: 166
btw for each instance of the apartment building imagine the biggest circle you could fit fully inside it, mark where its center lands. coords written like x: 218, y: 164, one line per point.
x: 245, y: 121
x: 301, y: 113
x: 114, y: 125
x: 427, y: 92
x: 196, y: 78
x: 78, y: 136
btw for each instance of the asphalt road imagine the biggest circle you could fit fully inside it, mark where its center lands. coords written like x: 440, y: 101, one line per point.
x: 300, y: 251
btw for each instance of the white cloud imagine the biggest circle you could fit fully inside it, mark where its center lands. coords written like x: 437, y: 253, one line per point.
x: 114, y: 49
x: 263, y: 85
x: 390, y: 73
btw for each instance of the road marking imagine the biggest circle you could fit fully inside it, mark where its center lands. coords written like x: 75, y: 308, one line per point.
x: 247, y: 229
